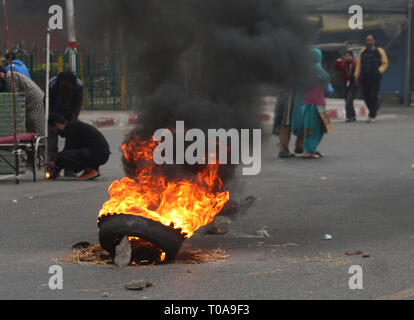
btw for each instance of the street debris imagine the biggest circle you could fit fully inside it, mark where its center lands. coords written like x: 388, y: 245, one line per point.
x: 44, y: 286
x: 105, y: 295
x: 81, y: 245
x: 137, y: 285
x: 92, y: 255
x: 233, y: 208
x: 265, y: 272
x: 123, y: 253
x: 327, y: 237
x: 220, y: 226
x: 95, y: 255
x: 201, y: 256
x: 324, y: 258
x: 286, y: 245
x: 15, y: 201
x: 263, y: 233
x: 356, y: 253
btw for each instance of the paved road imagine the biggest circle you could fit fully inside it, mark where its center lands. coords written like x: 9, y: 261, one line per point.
x: 361, y: 194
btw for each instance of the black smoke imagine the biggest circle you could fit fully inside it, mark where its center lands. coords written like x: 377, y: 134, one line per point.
x: 203, y: 61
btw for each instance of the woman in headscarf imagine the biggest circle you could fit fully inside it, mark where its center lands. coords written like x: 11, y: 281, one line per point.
x: 310, y: 117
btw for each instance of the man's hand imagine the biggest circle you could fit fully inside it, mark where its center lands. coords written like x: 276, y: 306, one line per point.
x: 339, y: 60
x: 51, y: 165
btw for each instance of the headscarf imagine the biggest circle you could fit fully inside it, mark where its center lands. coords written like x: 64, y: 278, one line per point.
x: 316, y: 57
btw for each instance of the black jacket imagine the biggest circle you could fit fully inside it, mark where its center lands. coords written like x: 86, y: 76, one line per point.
x: 80, y: 135
x: 68, y: 104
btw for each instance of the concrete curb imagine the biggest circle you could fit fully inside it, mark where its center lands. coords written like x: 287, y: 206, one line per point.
x: 335, y: 109
x: 105, y: 119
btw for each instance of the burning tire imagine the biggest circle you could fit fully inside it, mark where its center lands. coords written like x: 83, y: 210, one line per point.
x: 113, y: 228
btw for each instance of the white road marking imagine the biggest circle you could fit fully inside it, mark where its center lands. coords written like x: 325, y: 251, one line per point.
x: 6, y: 177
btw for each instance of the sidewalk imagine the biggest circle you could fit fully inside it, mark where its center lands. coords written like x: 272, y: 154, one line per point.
x: 335, y: 108
x: 103, y: 119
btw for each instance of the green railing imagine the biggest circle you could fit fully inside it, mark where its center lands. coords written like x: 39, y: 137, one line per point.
x: 107, y: 85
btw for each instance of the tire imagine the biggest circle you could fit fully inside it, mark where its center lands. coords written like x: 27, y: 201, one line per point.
x: 113, y: 228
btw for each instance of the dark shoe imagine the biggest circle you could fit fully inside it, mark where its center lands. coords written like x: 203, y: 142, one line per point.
x: 286, y: 156
x: 53, y: 174
x: 89, y: 174
x: 350, y: 120
x: 299, y: 151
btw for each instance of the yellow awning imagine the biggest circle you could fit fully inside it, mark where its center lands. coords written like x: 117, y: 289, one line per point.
x: 336, y: 23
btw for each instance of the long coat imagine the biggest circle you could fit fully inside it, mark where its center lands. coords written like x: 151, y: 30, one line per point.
x: 283, y: 110
x: 34, y: 98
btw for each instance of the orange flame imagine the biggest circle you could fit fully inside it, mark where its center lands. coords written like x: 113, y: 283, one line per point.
x: 185, y: 204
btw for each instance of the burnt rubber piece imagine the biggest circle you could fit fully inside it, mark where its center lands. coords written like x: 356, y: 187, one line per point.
x: 113, y: 228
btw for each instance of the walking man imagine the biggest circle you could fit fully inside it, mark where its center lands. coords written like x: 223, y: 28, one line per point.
x: 66, y: 95
x: 372, y: 64
x: 347, y: 67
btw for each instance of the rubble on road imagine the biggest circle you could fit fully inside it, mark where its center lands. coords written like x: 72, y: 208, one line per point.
x: 356, y: 253
x: 220, y: 226
x: 123, y: 253
x: 327, y: 237
x: 81, y: 245
x: 92, y: 255
x: 263, y: 233
x: 136, y: 285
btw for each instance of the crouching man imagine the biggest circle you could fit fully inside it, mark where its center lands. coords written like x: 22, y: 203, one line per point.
x: 85, y: 148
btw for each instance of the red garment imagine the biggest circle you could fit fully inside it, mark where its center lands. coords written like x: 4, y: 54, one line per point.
x: 316, y: 95
x: 23, y: 137
x: 347, y: 70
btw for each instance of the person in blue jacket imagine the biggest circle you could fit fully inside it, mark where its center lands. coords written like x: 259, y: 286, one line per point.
x: 18, y: 65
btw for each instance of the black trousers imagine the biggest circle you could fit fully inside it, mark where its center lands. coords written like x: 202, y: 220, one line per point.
x: 350, y: 95
x: 81, y: 159
x: 53, y: 145
x: 53, y: 141
x: 370, y: 90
